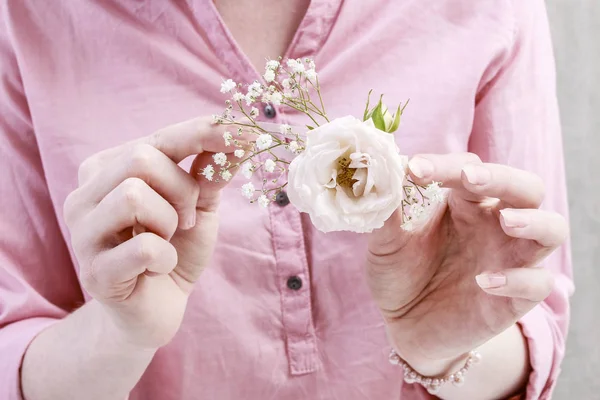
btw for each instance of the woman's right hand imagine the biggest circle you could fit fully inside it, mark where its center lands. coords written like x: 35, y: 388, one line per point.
x: 143, y: 229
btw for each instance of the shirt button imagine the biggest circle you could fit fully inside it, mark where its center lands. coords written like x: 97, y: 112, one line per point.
x: 294, y: 283
x: 269, y: 111
x: 282, y: 199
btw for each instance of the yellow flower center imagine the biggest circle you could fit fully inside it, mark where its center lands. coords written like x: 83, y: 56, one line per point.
x: 345, y: 175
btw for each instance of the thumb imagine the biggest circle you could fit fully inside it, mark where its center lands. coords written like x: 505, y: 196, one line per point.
x: 195, y: 246
x: 390, y: 236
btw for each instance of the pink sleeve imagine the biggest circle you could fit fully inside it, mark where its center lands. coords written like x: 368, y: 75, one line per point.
x: 517, y: 123
x: 37, y: 281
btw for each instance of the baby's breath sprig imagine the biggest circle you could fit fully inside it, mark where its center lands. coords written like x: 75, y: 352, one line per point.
x: 293, y: 84
x: 418, y: 202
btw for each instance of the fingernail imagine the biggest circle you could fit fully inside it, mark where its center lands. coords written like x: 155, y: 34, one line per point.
x: 477, y: 175
x: 190, y: 221
x: 513, y: 219
x: 420, y: 167
x: 491, y: 281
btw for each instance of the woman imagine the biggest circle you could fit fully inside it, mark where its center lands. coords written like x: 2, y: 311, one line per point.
x: 271, y: 308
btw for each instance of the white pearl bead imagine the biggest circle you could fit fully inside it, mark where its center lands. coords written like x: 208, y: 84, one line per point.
x: 433, y: 389
x: 394, y: 359
x: 459, y: 380
x: 476, y: 357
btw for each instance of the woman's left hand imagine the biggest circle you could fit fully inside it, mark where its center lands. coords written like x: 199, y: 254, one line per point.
x: 491, y: 228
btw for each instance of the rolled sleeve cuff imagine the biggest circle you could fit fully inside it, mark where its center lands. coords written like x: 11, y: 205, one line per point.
x: 542, y: 354
x: 14, y: 341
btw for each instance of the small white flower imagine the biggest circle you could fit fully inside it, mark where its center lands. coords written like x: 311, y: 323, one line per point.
x: 255, y: 88
x: 263, y: 201
x: 408, y: 226
x: 254, y: 112
x: 239, y: 153
x: 270, y: 165
x: 254, y: 91
x: 269, y: 75
x: 208, y: 172
x: 286, y: 84
x: 228, y: 138
x: 410, y: 192
x: 285, y: 129
x: 220, y: 159
x: 293, y: 147
x: 311, y: 63
x: 276, y: 98
x: 237, y: 96
x: 416, y: 211
x: 272, y: 64
x: 217, y: 119
x: 247, y: 169
x: 248, y: 190
x: 264, y: 141
x: 311, y: 75
x: 266, y: 97
x: 227, y: 86
x: 296, y: 66
x: 226, y: 175
x: 434, y: 193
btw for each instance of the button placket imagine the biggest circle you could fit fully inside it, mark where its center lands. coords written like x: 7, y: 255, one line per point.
x: 293, y: 279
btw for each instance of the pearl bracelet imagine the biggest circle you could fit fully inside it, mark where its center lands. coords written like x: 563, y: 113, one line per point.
x: 434, y: 384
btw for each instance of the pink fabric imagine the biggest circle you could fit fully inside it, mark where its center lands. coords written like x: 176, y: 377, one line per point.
x: 81, y: 76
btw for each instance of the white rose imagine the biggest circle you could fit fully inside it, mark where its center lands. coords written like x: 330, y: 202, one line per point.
x: 349, y: 177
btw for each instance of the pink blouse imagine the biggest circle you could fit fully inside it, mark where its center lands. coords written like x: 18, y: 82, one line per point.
x: 81, y: 76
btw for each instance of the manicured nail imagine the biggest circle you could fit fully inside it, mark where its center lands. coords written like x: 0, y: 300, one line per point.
x: 421, y: 167
x: 491, y: 281
x: 513, y: 219
x: 190, y: 221
x: 477, y: 175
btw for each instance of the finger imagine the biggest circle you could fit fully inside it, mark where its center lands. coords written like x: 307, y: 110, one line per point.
x: 142, y: 253
x: 133, y: 202
x: 176, y: 141
x: 157, y: 170
x: 532, y: 284
x: 547, y: 228
x: 518, y: 188
x: 193, y: 137
x: 444, y: 168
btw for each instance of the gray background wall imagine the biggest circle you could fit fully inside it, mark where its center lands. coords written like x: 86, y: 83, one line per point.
x: 576, y: 32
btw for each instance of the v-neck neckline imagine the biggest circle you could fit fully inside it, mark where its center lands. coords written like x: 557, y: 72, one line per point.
x: 313, y: 30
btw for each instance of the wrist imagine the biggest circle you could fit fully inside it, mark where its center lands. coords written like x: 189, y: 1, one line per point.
x: 435, y: 367
x: 117, y: 337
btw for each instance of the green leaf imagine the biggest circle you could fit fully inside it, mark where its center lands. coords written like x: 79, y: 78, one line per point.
x: 367, y: 114
x: 396, y: 122
x: 310, y: 128
x: 377, y: 116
